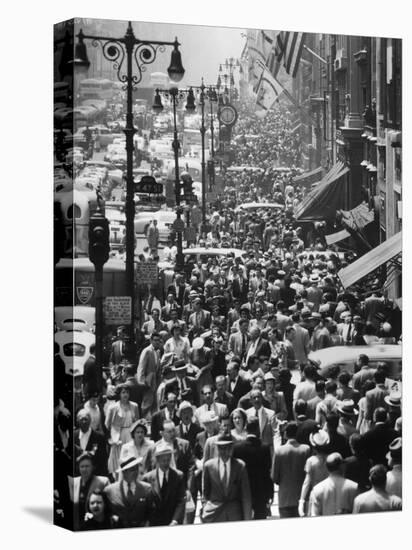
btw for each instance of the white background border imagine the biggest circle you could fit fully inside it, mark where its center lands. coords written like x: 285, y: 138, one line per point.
x: 26, y: 221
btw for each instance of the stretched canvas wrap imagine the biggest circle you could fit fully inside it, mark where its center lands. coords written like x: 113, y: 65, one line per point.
x: 228, y: 292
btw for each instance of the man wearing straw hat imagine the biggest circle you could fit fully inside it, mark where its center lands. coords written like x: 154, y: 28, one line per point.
x: 168, y: 489
x: 131, y: 499
x: 226, y: 490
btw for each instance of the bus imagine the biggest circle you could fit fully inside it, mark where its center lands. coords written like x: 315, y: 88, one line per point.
x: 94, y: 88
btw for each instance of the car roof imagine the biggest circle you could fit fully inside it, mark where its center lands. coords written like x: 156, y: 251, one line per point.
x: 342, y: 354
x: 213, y: 251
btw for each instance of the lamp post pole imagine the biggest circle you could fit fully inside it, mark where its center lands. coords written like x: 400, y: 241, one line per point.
x: 144, y: 52
x: 179, y: 255
x: 202, y: 134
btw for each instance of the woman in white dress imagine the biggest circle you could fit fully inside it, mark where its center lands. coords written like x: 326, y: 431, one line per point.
x: 119, y: 420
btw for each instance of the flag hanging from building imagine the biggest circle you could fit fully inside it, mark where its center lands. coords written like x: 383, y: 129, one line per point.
x: 358, y: 217
x: 268, y: 91
x: 274, y: 59
x: 292, y: 43
x: 255, y: 53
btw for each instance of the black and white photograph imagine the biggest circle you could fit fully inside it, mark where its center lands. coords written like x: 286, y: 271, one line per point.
x: 228, y: 274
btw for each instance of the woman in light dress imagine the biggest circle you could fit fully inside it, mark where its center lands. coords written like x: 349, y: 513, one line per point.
x: 119, y: 420
x: 139, y: 447
x: 239, y: 420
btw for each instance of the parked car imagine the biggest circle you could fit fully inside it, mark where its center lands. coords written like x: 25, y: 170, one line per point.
x: 165, y: 219
x: 74, y: 347
x: 75, y: 318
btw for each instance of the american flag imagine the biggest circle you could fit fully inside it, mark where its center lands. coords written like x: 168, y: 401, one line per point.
x: 292, y: 51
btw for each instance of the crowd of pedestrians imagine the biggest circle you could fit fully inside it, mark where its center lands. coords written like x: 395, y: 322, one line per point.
x: 219, y: 409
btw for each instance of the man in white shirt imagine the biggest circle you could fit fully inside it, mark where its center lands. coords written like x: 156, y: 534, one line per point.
x: 219, y: 409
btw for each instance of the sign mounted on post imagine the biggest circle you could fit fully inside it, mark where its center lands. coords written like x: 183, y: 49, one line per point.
x: 147, y: 272
x: 148, y: 184
x: 117, y: 310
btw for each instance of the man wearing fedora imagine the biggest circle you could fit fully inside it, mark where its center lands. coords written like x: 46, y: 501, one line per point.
x: 182, y: 385
x: 377, y: 499
x: 347, y: 417
x: 226, y: 491
x: 129, y: 498
x: 393, y: 404
x: 334, y: 495
x: 376, y: 397
x: 168, y: 488
x: 149, y: 375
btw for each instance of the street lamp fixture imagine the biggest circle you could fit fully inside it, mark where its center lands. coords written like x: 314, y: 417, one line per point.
x: 128, y: 52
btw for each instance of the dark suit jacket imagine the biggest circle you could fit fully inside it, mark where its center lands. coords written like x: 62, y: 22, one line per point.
x: 241, y: 388
x: 232, y: 504
x: 237, y: 293
x: 171, y: 505
x: 227, y: 399
x: 96, y: 444
x: 376, y: 442
x: 256, y: 456
x: 184, y: 460
x: 263, y: 347
x: 289, y: 471
x: 305, y: 428
x: 190, y: 437
x: 157, y: 423
x: 137, y: 511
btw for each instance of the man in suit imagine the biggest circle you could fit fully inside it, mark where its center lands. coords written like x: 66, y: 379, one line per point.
x: 257, y: 345
x: 199, y: 320
x: 169, y: 305
x: 334, y: 495
x: 187, y: 429
x: 168, y: 412
x: 240, y: 285
x: 178, y: 288
x: 306, y: 425
x: 376, y: 397
x: 209, y: 404
x: 236, y: 384
x: 379, y: 437
x: 174, y: 320
x: 118, y: 347
x: 131, y: 499
x: 222, y: 396
x: 226, y: 490
x: 365, y: 373
x: 256, y: 456
x: 301, y: 340
x: 87, y: 440
x: 289, y: 472
x: 154, y: 324
x: 168, y: 489
x: 80, y: 487
x: 149, y: 375
x: 183, y: 386
x: 266, y: 417
x: 238, y: 340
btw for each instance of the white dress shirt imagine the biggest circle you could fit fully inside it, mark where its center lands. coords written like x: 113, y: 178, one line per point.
x: 127, y: 486
x: 222, y: 470
x: 84, y: 438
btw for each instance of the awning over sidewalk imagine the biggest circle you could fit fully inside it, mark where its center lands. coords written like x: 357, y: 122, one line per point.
x: 326, y: 198
x: 337, y: 237
x: 309, y: 178
x: 380, y: 255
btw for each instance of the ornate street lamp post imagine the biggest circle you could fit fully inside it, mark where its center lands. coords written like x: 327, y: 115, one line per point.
x: 138, y: 53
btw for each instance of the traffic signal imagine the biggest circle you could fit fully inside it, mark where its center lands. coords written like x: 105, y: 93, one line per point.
x: 99, y: 237
x: 187, y: 186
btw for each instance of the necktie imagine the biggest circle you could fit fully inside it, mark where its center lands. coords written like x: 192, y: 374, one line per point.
x: 243, y: 344
x: 164, y: 484
x: 224, y: 478
x: 129, y: 492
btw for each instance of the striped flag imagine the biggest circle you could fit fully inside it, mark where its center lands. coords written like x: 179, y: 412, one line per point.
x: 292, y: 51
x: 274, y: 59
x: 268, y: 91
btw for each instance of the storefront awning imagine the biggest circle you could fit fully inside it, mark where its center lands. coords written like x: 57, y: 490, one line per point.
x: 380, y: 255
x: 336, y: 237
x: 326, y: 198
x: 309, y: 178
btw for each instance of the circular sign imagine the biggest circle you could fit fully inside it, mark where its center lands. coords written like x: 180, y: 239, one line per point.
x: 228, y: 115
x: 178, y: 225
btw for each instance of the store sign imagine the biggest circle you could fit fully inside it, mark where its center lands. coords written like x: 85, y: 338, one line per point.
x: 117, y: 310
x: 147, y: 272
